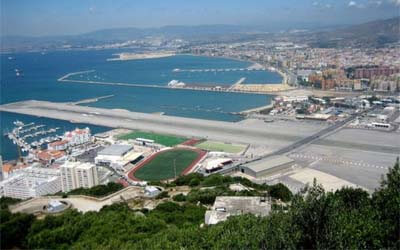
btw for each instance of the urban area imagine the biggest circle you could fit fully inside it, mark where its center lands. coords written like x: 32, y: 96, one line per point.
x: 333, y: 125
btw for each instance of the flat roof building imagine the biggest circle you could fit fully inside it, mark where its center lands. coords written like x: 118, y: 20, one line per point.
x: 267, y: 166
x: 225, y: 206
x: 116, y: 150
x: 117, y: 156
x: 32, y: 182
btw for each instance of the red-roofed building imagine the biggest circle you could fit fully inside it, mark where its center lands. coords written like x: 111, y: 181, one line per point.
x: 49, y: 156
x: 9, y: 168
x: 58, y: 145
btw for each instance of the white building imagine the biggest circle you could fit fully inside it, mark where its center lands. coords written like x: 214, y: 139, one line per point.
x: 78, y: 136
x: 216, y: 164
x: 117, y: 156
x: 32, y: 182
x: 151, y: 191
x: 77, y: 174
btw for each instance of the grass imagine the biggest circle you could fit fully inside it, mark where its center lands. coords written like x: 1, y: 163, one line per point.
x: 162, y: 166
x: 221, y: 147
x: 166, y: 140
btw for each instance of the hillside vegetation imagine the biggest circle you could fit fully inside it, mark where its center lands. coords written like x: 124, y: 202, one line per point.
x: 346, y: 219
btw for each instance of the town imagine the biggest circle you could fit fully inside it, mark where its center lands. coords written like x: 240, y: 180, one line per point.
x: 57, y: 164
x: 148, y: 126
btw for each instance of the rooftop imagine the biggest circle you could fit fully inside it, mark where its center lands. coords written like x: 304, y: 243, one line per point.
x: 269, y: 163
x: 116, y: 149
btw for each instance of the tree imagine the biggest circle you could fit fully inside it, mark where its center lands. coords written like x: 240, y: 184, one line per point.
x: 280, y: 191
x: 14, y: 228
x: 387, y: 202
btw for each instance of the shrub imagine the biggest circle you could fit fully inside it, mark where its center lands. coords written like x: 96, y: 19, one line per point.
x: 179, y: 198
x: 280, y: 191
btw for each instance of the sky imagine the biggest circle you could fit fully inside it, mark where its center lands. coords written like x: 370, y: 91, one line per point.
x: 56, y: 17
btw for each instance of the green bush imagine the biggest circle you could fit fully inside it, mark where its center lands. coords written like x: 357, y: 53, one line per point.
x: 346, y: 219
x: 280, y: 191
x: 194, y: 182
x: 6, y: 201
x: 185, y: 180
x: 97, y: 191
x: 179, y: 198
x: 14, y: 228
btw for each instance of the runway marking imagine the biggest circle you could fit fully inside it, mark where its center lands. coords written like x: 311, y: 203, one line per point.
x: 339, y: 161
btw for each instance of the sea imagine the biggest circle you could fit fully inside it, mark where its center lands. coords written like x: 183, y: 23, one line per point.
x: 39, y: 72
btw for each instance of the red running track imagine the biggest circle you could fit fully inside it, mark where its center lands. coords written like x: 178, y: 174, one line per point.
x: 200, y: 155
x: 191, y: 142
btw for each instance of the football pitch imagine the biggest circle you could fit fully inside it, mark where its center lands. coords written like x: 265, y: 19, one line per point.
x: 163, y: 165
x: 166, y: 140
x: 221, y: 147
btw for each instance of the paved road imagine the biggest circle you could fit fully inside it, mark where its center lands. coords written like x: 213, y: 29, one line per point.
x: 318, y: 135
x: 295, y: 145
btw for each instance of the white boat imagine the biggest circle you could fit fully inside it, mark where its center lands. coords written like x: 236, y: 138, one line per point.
x: 18, y: 123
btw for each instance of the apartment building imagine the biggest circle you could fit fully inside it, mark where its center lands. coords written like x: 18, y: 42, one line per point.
x: 32, y: 182
x: 77, y: 174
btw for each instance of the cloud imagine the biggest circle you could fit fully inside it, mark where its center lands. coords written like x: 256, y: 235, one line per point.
x: 322, y: 5
x: 91, y: 9
x: 395, y: 2
x: 354, y: 4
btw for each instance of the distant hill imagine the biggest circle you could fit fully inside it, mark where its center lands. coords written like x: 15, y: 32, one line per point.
x: 190, y: 33
x: 372, y: 34
x: 186, y: 32
x: 376, y: 33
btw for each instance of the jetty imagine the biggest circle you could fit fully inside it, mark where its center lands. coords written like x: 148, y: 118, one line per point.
x: 237, y: 87
x: 63, y: 78
x: 91, y: 100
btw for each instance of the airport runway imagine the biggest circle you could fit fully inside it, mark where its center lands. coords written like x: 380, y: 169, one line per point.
x: 356, y: 156
x: 273, y: 136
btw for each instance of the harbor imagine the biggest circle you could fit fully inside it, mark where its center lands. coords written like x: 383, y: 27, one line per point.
x: 30, y: 137
x: 237, y: 87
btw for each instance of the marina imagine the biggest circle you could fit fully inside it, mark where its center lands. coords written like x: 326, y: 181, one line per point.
x: 216, y: 103
x: 20, y: 136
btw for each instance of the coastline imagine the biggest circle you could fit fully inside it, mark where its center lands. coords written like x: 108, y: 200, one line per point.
x: 126, y: 56
x: 282, y: 74
x: 238, y: 87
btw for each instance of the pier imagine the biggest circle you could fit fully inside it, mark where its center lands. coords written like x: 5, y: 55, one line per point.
x: 18, y: 136
x: 91, y: 100
x: 255, y: 110
x: 63, y: 78
x: 219, y: 70
x: 235, y: 88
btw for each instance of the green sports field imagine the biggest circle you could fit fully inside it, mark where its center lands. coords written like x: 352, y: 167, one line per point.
x: 221, y: 147
x: 166, y: 140
x: 162, y: 166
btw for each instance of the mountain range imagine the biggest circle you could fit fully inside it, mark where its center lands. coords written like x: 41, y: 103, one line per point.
x: 375, y: 33
x: 372, y: 34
